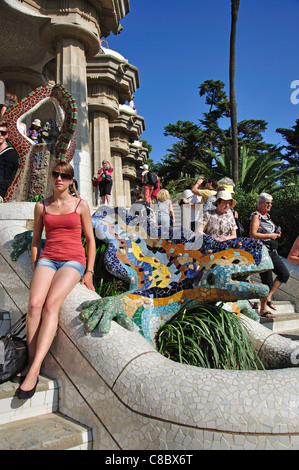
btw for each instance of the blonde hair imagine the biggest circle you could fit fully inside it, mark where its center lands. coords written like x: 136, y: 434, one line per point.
x: 163, y: 195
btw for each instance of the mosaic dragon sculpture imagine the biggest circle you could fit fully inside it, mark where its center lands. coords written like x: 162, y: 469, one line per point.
x: 167, y: 269
x: 65, y: 144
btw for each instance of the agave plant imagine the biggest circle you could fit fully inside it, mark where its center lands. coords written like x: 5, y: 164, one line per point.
x: 207, y: 336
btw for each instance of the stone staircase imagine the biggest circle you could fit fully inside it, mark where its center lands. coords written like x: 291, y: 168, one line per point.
x: 286, y: 322
x: 35, y: 424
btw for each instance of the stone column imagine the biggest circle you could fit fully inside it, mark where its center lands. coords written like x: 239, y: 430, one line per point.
x: 101, y: 139
x: 71, y: 72
x: 118, y: 198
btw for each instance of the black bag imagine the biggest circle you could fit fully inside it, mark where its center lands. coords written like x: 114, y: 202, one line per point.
x: 240, y: 229
x: 152, y: 179
x: 13, y: 351
x: 108, y: 178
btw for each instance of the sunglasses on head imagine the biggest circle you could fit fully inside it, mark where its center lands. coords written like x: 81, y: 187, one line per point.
x: 63, y: 176
x: 3, y: 133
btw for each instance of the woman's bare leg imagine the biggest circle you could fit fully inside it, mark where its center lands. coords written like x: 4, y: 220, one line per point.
x: 40, y: 285
x: 63, y: 282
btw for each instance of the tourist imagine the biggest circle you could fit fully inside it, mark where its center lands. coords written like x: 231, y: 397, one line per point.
x: 95, y: 187
x: 148, y: 187
x: 73, y: 188
x: 205, y: 188
x: 195, y: 204
x: 264, y: 229
x: 9, y: 161
x: 219, y: 222
x: 142, y: 208
x: 156, y: 190
x: 224, y: 184
x: 10, y: 100
x: 34, y: 131
x: 164, y: 209
x: 105, y: 181
x: 293, y: 256
x: 57, y: 269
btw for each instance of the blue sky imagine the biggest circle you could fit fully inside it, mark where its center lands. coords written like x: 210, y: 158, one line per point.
x: 178, y: 45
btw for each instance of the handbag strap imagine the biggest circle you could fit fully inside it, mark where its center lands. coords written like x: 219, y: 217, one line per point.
x: 17, y: 328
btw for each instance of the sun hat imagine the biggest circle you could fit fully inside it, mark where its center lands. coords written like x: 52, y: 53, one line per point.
x: 228, y: 187
x: 187, y: 194
x: 226, y: 196
x: 144, y: 167
x: 37, y: 122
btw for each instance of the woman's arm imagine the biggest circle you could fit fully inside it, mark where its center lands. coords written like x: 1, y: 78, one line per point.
x: 228, y: 237
x: 201, y: 228
x: 37, y: 233
x: 293, y: 256
x: 253, y: 231
x: 171, y: 212
x: 90, y: 243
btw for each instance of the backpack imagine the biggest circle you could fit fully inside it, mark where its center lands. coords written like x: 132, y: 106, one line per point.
x: 152, y: 179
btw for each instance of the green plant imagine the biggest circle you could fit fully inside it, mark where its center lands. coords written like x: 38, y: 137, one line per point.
x: 207, y: 336
x: 36, y: 198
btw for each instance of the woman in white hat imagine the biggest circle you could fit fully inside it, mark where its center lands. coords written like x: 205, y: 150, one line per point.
x: 220, y: 223
x: 33, y: 131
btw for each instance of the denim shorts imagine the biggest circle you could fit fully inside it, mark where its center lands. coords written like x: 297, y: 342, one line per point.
x: 51, y: 263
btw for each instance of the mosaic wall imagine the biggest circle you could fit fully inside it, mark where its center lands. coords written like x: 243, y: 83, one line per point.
x: 31, y: 154
x: 167, y: 269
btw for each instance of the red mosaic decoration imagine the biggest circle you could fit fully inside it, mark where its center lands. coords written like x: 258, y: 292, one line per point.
x: 66, y: 143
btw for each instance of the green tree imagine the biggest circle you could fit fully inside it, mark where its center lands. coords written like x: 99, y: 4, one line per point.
x: 178, y: 170
x: 292, y: 149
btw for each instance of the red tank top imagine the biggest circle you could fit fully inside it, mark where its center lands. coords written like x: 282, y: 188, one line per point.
x: 63, y: 236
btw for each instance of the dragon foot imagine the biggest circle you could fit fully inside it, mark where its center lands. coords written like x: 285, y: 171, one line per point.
x: 99, y: 314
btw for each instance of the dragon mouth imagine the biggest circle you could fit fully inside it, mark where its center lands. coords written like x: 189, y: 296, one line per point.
x: 248, y: 286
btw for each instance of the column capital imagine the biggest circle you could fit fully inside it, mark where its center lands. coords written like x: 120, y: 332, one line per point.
x: 52, y: 33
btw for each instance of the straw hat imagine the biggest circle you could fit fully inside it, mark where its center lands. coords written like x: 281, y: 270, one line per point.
x: 226, y: 196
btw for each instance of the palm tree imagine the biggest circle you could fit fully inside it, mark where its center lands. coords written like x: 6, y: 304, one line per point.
x: 232, y: 92
x: 256, y: 173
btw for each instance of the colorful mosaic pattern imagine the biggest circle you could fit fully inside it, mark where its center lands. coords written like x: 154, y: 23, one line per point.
x: 66, y: 142
x: 167, y: 269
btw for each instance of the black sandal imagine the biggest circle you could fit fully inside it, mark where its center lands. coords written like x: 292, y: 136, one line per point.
x: 271, y: 305
x: 267, y: 315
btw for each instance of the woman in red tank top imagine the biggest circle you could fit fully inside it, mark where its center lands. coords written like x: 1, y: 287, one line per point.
x: 57, y: 269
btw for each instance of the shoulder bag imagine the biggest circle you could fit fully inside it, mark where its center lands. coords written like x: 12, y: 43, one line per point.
x: 13, y: 351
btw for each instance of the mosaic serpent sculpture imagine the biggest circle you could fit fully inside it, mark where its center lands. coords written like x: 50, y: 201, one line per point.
x: 65, y: 144
x: 166, y: 269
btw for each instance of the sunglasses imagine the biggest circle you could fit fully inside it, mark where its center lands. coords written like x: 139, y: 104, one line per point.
x: 3, y: 133
x: 63, y: 176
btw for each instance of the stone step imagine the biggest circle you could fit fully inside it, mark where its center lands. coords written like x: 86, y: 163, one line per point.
x: 282, y: 322
x: 282, y: 306
x: 35, y: 424
x: 286, y: 317
x: 44, y: 401
x: 48, y: 432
